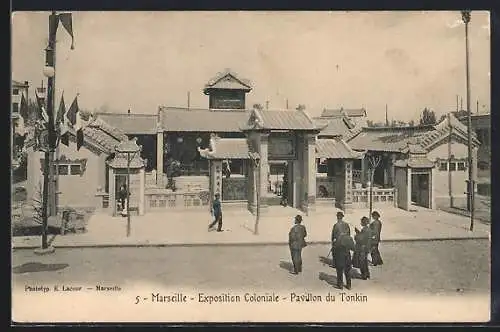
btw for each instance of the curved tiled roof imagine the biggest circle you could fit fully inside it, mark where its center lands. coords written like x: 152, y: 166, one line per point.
x: 218, y: 82
x: 335, y: 148
x: 281, y: 120
x: 231, y: 148
x: 133, y: 123
x: 202, y: 120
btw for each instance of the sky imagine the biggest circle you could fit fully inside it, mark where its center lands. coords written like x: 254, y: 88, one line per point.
x: 141, y: 60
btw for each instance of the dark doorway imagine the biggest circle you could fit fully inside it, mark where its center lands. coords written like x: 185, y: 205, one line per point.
x: 420, y: 189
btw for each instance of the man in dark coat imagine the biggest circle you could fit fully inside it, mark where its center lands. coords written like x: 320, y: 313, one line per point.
x: 296, y: 242
x: 342, y: 244
x: 362, y: 239
x: 217, y: 213
x: 122, y: 197
x: 376, y: 229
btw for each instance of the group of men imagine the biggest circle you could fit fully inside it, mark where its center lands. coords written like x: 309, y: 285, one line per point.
x: 365, y: 242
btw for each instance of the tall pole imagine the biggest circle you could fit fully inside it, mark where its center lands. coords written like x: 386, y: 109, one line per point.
x: 128, y: 194
x: 51, y: 135
x: 372, y: 170
x: 51, y: 81
x: 257, y: 218
x: 466, y: 19
x: 189, y: 100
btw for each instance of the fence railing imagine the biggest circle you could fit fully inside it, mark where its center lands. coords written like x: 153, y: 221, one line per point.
x: 361, y: 197
x: 160, y: 199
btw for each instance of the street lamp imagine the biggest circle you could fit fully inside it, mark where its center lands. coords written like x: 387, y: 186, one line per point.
x: 470, y: 183
x: 129, y: 148
x: 255, y: 157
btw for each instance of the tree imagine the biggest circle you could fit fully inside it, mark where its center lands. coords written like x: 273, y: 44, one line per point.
x: 411, y: 123
x: 428, y: 117
x: 374, y: 161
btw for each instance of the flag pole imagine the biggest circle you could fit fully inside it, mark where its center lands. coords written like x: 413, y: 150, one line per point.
x: 51, y: 82
x: 49, y: 142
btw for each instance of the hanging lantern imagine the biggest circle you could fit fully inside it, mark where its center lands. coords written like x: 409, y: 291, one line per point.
x: 199, y: 140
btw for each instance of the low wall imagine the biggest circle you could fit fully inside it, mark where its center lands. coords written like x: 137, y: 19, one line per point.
x: 380, y: 197
x: 234, y: 188
x: 157, y: 199
x: 325, y: 187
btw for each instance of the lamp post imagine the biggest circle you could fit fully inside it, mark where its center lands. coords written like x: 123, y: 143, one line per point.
x: 129, y: 148
x: 470, y: 184
x: 48, y: 136
x: 256, y: 163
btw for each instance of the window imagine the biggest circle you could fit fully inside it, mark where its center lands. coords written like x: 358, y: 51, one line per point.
x: 461, y: 166
x: 62, y: 169
x: 76, y: 169
x: 15, y: 107
x: 443, y: 166
x: 69, y: 169
x: 453, y: 166
x: 15, y: 92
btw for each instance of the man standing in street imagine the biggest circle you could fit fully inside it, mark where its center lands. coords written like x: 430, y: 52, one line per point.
x: 296, y: 242
x: 362, y: 239
x: 342, y: 244
x: 376, y: 229
x: 217, y: 213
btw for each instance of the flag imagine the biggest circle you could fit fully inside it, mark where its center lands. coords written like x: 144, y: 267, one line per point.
x: 79, y: 138
x: 72, y: 113
x: 62, y: 123
x: 75, y: 120
x: 24, y: 111
x: 61, y: 111
x: 42, y: 114
x: 67, y: 22
x: 64, y: 132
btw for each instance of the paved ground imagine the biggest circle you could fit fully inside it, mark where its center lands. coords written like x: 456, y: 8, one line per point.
x: 190, y: 228
x: 413, y: 272
x: 416, y: 267
x: 482, y: 209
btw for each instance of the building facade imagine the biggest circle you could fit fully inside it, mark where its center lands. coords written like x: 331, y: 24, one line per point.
x: 190, y: 154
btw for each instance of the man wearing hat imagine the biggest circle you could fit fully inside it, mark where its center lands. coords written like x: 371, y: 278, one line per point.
x: 217, y: 213
x: 296, y: 242
x: 342, y: 244
x: 363, y: 238
x: 376, y: 229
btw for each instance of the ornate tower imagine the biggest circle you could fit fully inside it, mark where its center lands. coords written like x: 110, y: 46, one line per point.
x: 227, y: 91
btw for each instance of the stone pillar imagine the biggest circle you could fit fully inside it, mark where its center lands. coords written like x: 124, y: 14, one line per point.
x: 408, y: 194
x: 310, y: 170
x: 364, y: 170
x: 432, y: 189
x: 216, y: 178
x: 159, y: 157
x: 348, y: 165
x: 264, y: 167
x: 142, y: 184
x: 112, y: 198
x: 392, y: 179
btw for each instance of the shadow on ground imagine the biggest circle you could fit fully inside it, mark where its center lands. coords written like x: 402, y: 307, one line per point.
x: 286, y: 266
x: 38, y: 267
x: 326, y: 261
